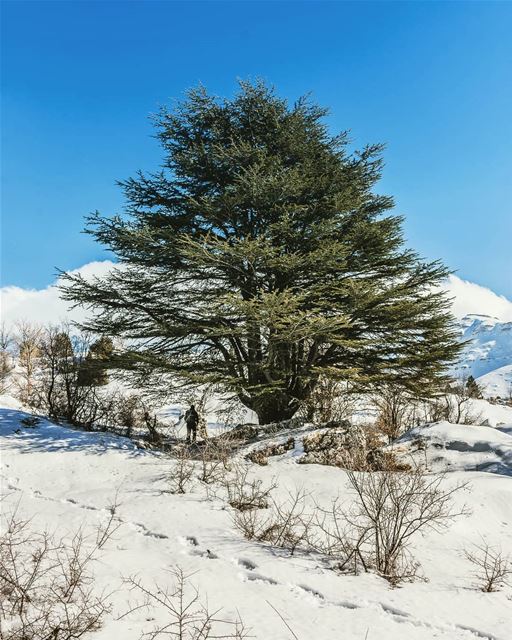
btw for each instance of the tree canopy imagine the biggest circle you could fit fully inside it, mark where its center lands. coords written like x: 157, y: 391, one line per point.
x: 260, y: 257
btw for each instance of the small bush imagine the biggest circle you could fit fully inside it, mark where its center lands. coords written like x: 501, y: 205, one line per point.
x: 285, y: 525
x: 244, y: 493
x: 47, y: 584
x: 493, y: 569
x: 396, y: 410
x: 389, y: 509
x: 186, y: 616
x: 330, y: 401
x: 180, y: 477
x: 214, y: 463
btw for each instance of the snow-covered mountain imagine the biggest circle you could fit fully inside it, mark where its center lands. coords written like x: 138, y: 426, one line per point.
x: 488, y: 353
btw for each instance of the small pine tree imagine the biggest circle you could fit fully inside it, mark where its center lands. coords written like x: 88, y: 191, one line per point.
x: 93, y: 370
x: 472, y: 388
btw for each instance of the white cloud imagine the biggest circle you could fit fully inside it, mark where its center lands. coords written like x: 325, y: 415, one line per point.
x: 473, y: 298
x: 45, y: 306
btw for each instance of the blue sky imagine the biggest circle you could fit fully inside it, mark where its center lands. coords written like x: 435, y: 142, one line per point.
x: 430, y: 79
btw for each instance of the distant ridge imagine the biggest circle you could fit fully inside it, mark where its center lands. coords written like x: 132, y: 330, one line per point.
x: 488, y: 354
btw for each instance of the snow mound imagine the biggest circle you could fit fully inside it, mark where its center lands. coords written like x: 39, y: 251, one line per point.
x: 461, y: 447
x: 489, y: 414
x: 9, y: 402
x: 497, y: 383
x: 24, y: 432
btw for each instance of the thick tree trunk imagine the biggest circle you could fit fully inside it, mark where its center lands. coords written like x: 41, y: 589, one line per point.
x: 278, y: 405
x: 275, y: 408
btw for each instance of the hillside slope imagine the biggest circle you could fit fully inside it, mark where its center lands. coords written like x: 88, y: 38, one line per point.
x: 488, y: 354
x: 64, y: 479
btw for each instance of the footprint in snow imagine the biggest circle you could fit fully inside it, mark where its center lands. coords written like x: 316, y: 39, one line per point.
x: 246, y: 564
x: 204, y: 554
x: 192, y: 541
x: 310, y: 590
x: 141, y: 528
x: 395, y: 612
x: 256, y: 577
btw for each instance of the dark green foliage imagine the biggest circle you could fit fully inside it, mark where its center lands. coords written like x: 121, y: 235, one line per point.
x: 472, y: 388
x: 260, y: 258
x: 93, y: 369
x: 63, y: 353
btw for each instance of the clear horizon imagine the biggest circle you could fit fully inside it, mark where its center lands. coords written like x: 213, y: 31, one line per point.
x: 431, y: 80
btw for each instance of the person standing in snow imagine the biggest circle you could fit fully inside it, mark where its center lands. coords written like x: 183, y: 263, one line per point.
x: 191, y: 420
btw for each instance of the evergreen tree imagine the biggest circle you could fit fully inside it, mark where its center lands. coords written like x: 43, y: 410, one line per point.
x: 93, y: 369
x: 63, y: 352
x: 260, y: 258
x: 472, y: 388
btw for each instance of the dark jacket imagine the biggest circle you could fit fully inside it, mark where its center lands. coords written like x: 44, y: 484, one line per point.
x: 191, y: 418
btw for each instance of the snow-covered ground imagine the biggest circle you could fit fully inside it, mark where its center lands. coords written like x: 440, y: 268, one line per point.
x: 497, y: 383
x: 65, y: 479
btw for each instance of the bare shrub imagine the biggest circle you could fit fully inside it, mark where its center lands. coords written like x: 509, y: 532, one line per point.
x: 396, y: 410
x: 127, y: 410
x: 106, y: 530
x: 187, y: 616
x: 330, y: 401
x: 331, y: 536
x: 6, y: 358
x: 55, y: 376
x: 493, y: 569
x: 6, y: 367
x: 252, y: 524
x: 455, y: 406
x: 214, y: 463
x: 26, y: 339
x: 47, y: 584
x: 285, y: 524
x: 376, y: 530
x: 435, y: 409
x: 289, y: 522
x: 180, y: 477
x: 245, y: 493
x: 152, y: 425
x: 133, y: 413
x: 390, y: 509
x: 128, y: 413
x: 458, y: 404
